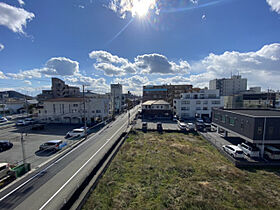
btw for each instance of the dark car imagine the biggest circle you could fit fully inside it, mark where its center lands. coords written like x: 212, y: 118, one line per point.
x: 144, y: 126
x: 159, y: 127
x: 5, y: 145
x: 199, y: 126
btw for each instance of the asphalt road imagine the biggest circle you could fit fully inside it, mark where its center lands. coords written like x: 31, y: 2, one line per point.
x: 54, y: 183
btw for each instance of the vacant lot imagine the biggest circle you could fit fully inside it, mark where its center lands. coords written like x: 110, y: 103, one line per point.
x: 180, y: 171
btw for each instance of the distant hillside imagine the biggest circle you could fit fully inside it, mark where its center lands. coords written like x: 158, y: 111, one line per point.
x: 14, y: 94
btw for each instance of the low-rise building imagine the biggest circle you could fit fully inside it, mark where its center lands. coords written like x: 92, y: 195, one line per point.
x: 257, y: 126
x: 71, y: 110
x: 156, y: 109
x: 197, y: 104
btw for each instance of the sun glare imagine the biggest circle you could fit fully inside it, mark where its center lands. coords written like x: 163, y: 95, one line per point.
x: 142, y: 7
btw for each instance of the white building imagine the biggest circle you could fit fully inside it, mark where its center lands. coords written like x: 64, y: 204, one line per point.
x: 229, y: 86
x: 197, y: 104
x: 116, y: 98
x: 71, y: 110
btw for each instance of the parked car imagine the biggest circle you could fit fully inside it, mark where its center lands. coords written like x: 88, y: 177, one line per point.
x: 3, y: 119
x: 5, y: 145
x: 144, y: 126
x: 39, y: 126
x: 29, y: 121
x: 159, y: 127
x: 200, y: 127
x: 207, y: 123
x: 53, y: 145
x: 272, y: 153
x: 249, y: 150
x: 182, y: 125
x: 4, y: 170
x: 190, y: 126
x: 20, y: 123
x: 234, y: 151
x: 76, y: 133
x: 84, y: 128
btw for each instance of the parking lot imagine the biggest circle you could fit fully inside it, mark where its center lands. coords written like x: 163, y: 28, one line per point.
x: 218, y: 140
x: 167, y: 125
x: 32, y: 140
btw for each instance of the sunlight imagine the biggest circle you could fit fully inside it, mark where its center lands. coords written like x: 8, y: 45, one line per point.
x: 142, y: 7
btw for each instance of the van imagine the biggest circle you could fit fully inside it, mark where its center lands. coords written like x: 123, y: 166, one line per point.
x: 4, y: 170
x: 249, y: 150
x: 272, y: 153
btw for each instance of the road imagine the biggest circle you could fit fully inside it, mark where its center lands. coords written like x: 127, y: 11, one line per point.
x: 52, y: 185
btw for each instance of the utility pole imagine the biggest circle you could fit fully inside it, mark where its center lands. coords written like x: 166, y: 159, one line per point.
x: 85, y: 122
x: 22, y: 148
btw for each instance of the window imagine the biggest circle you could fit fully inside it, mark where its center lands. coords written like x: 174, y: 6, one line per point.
x: 259, y: 130
x: 231, y: 121
x: 205, y: 108
x: 93, y: 111
x: 45, y: 111
x: 198, y: 102
x: 98, y: 111
x: 205, y: 102
x: 242, y: 124
x: 223, y: 118
x: 216, y: 102
x: 270, y: 131
x: 53, y: 108
x: 198, y: 108
x: 75, y: 105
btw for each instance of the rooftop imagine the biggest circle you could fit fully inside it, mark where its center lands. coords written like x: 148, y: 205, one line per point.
x: 256, y: 112
x: 65, y: 99
x: 156, y: 102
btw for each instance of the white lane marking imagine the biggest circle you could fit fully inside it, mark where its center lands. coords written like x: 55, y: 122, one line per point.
x: 8, y: 194
x: 39, y: 173
x: 81, y: 168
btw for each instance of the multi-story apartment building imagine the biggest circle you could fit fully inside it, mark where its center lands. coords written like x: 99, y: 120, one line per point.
x: 164, y: 92
x: 116, y: 98
x: 71, y: 110
x: 59, y: 90
x: 250, y: 100
x: 229, y: 86
x: 197, y: 104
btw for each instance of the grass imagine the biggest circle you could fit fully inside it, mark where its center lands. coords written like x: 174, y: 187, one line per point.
x: 181, y: 171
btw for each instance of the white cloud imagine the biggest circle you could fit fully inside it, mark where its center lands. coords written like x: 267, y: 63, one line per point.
x: 203, y: 17
x: 1, y: 47
x: 133, y: 84
x: 61, y: 66
x: 55, y: 66
x: 14, y: 18
x: 27, y: 82
x: 260, y: 67
x: 81, y: 6
x: 275, y: 5
x: 2, y: 75
x: 98, y: 85
x: 113, y: 65
x: 135, y: 7
x: 21, y: 2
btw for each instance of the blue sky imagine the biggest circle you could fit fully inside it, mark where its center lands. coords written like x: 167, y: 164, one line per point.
x: 137, y: 42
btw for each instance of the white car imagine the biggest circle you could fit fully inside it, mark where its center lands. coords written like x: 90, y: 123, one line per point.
x: 4, y: 169
x: 3, y: 119
x: 249, y: 150
x: 53, y: 145
x: 234, y: 151
x: 20, y: 122
x: 182, y: 125
x: 190, y: 126
x: 76, y: 133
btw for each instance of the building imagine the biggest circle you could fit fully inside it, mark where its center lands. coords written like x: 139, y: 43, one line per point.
x: 71, y: 110
x: 229, y: 86
x: 250, y: 100
x: 156, y: 109
x: 164, y: 92
x: 59, y: 90
x: 257, y: 126
x: 116, y: 98
x: 197, y: 104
